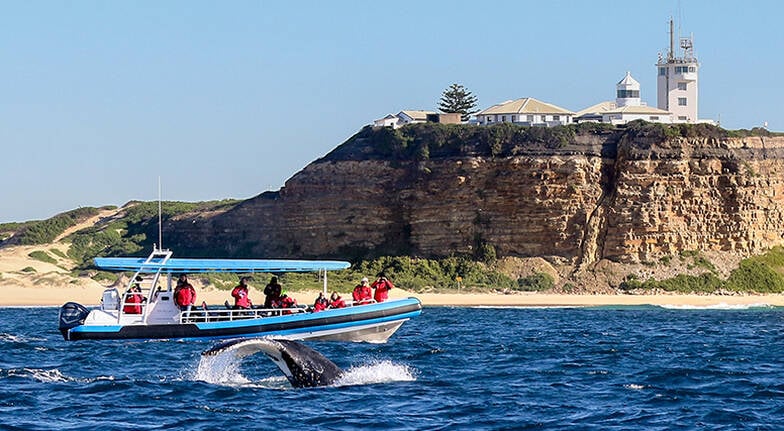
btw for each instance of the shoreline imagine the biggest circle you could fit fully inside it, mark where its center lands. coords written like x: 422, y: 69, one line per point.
x: 23, y: 296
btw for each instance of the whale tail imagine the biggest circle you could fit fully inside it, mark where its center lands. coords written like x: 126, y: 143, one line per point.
x: 302, y: 366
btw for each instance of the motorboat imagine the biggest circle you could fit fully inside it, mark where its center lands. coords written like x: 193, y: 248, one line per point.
x: 157, y: 316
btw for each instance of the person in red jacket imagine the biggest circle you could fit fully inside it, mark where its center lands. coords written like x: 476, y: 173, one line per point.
x: 184, y: 294
x: 240, y: 295
x: 134, y: 299
x: 336, y: 301
x: 321, y: 303
x: 362, y: 293
x: 382, y: 286
x: 285, y: 301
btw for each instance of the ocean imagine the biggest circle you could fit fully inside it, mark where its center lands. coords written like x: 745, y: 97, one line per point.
x: 602, y: 368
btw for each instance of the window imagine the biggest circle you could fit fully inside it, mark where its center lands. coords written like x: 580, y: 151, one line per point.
x: 681, y: 101
x: 530, y: 118
x: 692, y: 69
x: 681, y: 86
x: 628, y: 94
x: 544, y: 118
x: 514, y: 118
x: 662, y: 71
x: 489, y: 119
x: 682, y: 118
x: 654, y: 118
x: 556, y: 117
x: 503, y: 119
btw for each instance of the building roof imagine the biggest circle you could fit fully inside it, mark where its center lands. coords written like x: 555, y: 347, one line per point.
x: 597, y: 109
x: 628, y: 81
x: 641, y: 109
x: 417, y: 115
x: 526, y: 105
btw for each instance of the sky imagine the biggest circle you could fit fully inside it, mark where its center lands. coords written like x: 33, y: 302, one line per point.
x: 100, y: 99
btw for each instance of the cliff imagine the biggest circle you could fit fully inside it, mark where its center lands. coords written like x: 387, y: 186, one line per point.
x: 573, y: 195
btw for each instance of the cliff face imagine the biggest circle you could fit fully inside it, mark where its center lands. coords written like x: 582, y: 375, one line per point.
x: 616, y: 196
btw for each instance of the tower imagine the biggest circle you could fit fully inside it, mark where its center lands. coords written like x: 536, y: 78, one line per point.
x: 677, y: 82
x: 628, y: 92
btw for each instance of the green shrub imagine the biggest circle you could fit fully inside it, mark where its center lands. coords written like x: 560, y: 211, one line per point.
x: 42, y: 256
x: 536, y: 282
x: 28, y: 269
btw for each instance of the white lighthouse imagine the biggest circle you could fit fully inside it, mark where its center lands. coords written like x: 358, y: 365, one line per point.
x: 677, y: 81
x: 627, y: 92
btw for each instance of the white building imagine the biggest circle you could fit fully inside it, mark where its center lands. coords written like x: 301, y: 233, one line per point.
x: 677, y: 81
x: 628, y: 106
x: 527, y: 112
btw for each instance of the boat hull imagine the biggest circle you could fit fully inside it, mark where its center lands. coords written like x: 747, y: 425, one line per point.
x: 371, y: 323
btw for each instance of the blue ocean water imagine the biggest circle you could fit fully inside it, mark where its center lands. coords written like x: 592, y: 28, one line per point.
x: 451, y: 368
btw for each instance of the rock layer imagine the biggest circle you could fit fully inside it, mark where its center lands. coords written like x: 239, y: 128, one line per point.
x: 615, y: 196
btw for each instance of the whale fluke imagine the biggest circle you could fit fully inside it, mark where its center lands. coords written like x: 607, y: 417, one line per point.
x: 303, y: 366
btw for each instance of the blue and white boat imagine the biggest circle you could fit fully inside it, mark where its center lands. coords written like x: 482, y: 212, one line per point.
x: 161, y: 318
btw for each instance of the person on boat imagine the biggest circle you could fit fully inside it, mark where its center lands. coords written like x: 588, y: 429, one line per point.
x: 134, y: 298
x: 272, y: 292
x: 240, y: 295
x: 381, y: 287
x: 184, y: 294
x: 321, y: 303
x: 335, y: 301
x: 362, y: 293
x: 285, y: 301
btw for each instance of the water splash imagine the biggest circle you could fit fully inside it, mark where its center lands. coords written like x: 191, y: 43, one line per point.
x: 221, y: 369
x: 378, y: 372
x: 224, y: 369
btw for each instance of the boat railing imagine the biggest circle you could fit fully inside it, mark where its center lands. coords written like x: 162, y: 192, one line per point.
x: 363, y: 302
x: 223, y: 315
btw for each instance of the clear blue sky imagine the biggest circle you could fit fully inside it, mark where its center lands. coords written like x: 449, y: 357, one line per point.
x: 229, y: 99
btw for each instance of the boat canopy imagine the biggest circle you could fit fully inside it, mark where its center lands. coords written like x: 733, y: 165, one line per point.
x: 175, y: 265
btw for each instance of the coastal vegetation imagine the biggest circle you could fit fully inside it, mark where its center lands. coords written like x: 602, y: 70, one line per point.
x: 758, y: 274
x: 42, y: 256
x: 134, y: 232
x: 425, y: 141
x: 45, y: 231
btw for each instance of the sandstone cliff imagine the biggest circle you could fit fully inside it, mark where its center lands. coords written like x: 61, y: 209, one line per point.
x: 575, y: 198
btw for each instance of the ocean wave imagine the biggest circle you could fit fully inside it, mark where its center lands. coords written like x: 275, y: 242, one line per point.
x: 52, y: 375
x: 719, y: 306
x: 13, y: 338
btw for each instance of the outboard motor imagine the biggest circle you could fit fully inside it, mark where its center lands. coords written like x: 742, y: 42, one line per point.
x: 71, y: 315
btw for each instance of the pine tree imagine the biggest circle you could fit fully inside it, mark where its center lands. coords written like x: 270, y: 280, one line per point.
x: 457, y: 99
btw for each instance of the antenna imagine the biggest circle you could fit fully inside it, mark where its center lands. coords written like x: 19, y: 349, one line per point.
x: 671, y: 54
x: 160, y: 223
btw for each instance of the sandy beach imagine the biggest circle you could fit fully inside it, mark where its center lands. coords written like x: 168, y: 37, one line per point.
x: 15, y: 295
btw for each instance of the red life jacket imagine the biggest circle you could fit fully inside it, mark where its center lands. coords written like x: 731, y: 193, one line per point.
x: 362, y: 294
x: 382, y: 288
x: 184, y: 295
x: 338, y: 303
x: 320, y: 304
x: 133, y: 304
x: 240, y: 294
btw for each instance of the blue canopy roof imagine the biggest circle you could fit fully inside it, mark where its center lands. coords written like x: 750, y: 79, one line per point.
x: 217, y: 265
